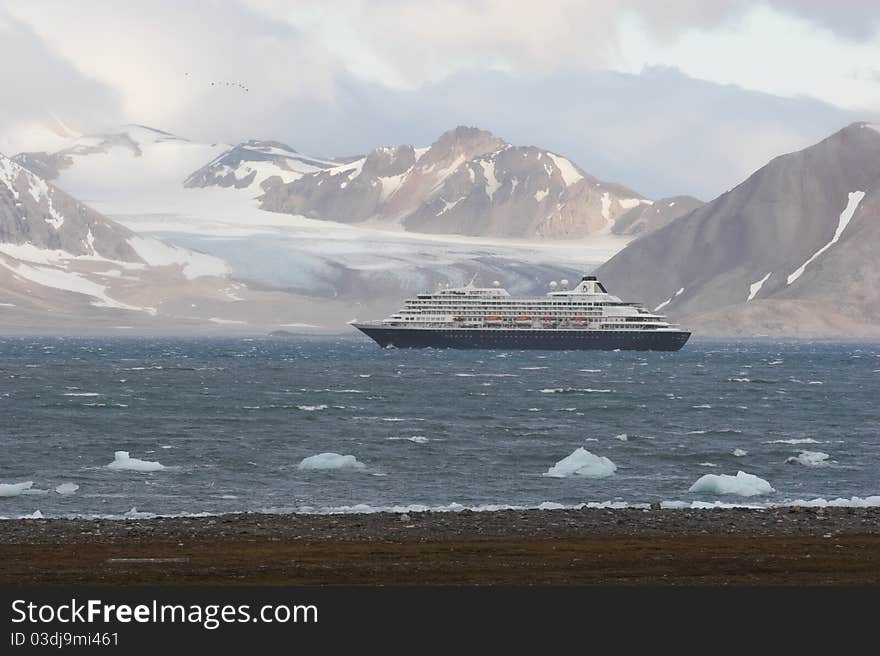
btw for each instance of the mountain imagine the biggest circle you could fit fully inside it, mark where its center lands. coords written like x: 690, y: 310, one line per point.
x: 66, y: 268
x: 645, y: 218
x: 468, y: 182
x: 133, y: 139
x: 789, y: 251
x: 250, y: 163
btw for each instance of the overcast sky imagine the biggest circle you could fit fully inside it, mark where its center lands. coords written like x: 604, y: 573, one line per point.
x: 681, y: 96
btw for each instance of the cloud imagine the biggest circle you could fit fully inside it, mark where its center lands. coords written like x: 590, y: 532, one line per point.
x: 660, y: 132
x: 343, y: 77
x: 162, y: 57
x: 38, y: 83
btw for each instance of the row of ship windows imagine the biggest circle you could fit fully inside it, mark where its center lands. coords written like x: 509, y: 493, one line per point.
x: 484, y: 302
x: 467, y: 316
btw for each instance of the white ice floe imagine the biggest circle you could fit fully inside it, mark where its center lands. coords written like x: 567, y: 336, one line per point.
x: 739, y: 453
x: 582, y: 463
x: 743, y: 484
x: 809, y: 459
x: 804, y: 440
x: 34, y: 515
x: 854, y: 198
x: 67, y: 488
x: 415, y: 439
x: 121, y: 460
x: 623, y: 437
x: 574, y: 390
x: 323, y: 461
x: 312, y: 408
x: 14, y: 489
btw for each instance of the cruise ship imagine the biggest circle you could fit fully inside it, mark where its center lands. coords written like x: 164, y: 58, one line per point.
x: 470, y: 317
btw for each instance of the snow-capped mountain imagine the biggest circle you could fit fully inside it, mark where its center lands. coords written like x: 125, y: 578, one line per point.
x: 135, y: 160
x: 64, y: 266
x: 791, y: 250
x: 251, y: 163
x: 468, y: 182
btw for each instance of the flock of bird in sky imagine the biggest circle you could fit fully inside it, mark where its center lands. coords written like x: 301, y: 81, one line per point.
x: 228, y: 84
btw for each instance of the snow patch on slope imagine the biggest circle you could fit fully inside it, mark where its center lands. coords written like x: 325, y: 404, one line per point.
x: 755, y: 287
x: 70, y: 282
x: 492, y: 183
x: 567, y: 170
x: 855, y: 197
x: 606, y: 205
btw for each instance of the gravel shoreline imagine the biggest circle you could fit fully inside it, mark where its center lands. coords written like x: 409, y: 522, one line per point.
x: 774, y: 546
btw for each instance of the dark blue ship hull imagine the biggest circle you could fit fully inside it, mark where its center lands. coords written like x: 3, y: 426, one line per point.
x: 525, y: 338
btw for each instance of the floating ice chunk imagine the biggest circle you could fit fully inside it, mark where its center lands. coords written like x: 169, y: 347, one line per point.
x: 582, y: 463
x: 331, y: 461
x: 623, y: 437
x: 573, y: 390
x: 34, y: 515
x: 739, y: 453
x: 311, y: 408
x: 415, y: 439
x: 67, y: 488
x: 14, y: 489
x: 805, y: 440
x: 743, y: 484
x: 809, y: 459
x: 121, y: 460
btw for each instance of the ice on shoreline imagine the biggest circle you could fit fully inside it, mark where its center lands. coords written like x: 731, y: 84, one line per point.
x: 331, y: 461
x: 122, y: 461
x: 363, y: 508
x: 582, y: 463
x: 743, y: 484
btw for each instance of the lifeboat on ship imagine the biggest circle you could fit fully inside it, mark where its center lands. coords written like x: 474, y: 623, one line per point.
x: 492, y: 319
x: 522, y: 319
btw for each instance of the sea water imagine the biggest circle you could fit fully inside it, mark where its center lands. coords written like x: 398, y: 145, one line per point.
x: 338, y: 424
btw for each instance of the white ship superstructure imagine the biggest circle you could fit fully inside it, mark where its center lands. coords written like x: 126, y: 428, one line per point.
x: 588, y: 306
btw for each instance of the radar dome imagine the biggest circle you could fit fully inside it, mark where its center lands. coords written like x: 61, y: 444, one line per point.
x: 553, y: 284
x: 563, y: 282
x: 495, y: 283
